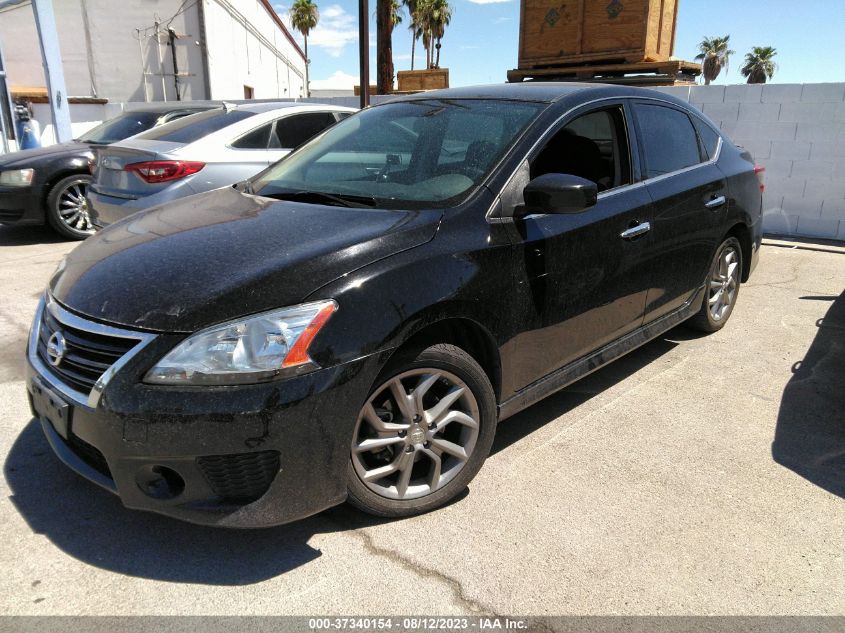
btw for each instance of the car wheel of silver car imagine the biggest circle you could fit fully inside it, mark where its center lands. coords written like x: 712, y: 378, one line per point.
x: 722, y: 287
x: 67, y: 207
x: 422, y: 434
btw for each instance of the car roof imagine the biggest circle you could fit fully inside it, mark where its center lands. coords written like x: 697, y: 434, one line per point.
x: 547, y: 92
x: 171, y: 107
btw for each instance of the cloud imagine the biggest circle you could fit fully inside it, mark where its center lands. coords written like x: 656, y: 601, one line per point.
x: 338, y: 81
x: 335, y: 30
x: 501, y: 20
x: 489, y: 1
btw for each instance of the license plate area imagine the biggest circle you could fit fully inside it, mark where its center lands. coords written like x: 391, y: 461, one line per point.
x: 50, y: 406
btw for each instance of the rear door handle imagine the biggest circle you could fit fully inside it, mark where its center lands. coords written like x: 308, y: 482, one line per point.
x: 716, y: 202
x: 636, y: 231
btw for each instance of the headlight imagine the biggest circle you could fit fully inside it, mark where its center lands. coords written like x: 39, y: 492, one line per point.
x: 249, y: 350
x: 17, y: 177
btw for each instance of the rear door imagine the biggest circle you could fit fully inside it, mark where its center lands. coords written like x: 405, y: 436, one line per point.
x: 584, y: 275
x: 690, y: 204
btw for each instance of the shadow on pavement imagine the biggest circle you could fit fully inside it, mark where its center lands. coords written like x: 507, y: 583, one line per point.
x: 810, y: 433
x: 92, y: 525
x: 27, y: 235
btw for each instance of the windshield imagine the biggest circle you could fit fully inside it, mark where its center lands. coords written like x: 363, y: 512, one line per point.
x: 121, y: 127
x: 412, y: 154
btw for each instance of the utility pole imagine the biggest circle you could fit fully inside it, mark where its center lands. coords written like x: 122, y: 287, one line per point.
x: 364, y: 50
x: 51, y: 56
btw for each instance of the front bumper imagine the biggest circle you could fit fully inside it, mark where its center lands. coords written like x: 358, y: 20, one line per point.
x: 244, y: 456
x: 21, y: 205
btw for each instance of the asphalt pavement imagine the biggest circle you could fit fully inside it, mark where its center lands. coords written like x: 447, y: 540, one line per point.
x: 698, y: 475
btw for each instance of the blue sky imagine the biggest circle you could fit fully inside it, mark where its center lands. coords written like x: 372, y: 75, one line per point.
x: 481, y: 43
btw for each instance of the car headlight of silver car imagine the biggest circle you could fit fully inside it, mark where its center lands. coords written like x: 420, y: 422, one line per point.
x: 250, y: 350
x: 17, y: 177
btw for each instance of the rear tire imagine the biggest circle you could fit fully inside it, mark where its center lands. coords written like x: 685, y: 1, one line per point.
x: 411, y: 457
x: 722, y: 288
x: 67, y: 208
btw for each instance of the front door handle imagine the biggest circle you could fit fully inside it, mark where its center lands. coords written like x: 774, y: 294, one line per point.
x: 716, y: 202
x: 636, y: 231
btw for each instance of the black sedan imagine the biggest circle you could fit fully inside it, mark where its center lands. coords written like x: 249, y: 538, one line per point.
x: 355, y: 321
x: 48, y: 184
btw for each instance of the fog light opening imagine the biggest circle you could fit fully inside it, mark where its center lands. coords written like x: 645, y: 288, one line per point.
x: 159, y: 482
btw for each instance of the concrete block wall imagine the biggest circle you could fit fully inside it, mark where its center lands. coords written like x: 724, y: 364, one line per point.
x: 797, y: 132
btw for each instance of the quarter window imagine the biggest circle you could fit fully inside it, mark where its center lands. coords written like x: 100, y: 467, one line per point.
x: 668, y: 138
x: 709, y: 138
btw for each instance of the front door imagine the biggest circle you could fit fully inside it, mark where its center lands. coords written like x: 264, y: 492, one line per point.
x: 582, y: 276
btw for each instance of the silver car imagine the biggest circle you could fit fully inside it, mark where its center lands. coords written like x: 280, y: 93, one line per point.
x: 201, y: 152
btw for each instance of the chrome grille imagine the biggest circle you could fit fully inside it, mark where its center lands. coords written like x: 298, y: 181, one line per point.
x: 87, y: 354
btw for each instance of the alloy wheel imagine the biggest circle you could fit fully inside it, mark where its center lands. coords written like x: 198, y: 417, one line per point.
x: 415, y: 433
x: 72, y: 207
x: 724, y: 283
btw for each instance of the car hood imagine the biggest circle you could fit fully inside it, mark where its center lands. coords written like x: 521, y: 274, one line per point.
x: 224, y: 254
x: 30, y: 156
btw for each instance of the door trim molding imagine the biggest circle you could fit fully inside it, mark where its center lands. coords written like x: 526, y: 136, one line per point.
x: 576, y: 370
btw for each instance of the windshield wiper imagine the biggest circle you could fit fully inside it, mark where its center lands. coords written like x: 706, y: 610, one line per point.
x: 342, y: 200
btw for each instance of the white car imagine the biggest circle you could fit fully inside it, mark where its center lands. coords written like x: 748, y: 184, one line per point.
x: 212, y: 149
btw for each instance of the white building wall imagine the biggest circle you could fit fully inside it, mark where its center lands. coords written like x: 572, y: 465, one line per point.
x: 246, y: 47
x: 797, y: 132
x: 101, y: 52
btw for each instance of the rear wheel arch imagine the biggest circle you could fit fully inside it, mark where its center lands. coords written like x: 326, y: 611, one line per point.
x: 742, y: 233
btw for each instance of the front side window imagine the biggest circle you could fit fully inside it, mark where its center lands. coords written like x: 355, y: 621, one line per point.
x: 668, y: 138
x: 411, y: 154
x: 593, y: 146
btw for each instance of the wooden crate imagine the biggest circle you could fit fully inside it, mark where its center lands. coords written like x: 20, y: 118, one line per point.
x: 418, y: 80
x: 556, y: 32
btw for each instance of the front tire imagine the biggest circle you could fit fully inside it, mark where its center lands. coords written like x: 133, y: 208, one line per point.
x: 67, y: 208
x: 722, y: 290
x: 423, y: 433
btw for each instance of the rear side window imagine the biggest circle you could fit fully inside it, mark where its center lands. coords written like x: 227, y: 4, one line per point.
x: 668, y: 138
x: 121, y: 127
x: 192, y: 128
x: 708, y: 136
x: 257, y: 139
x: 292, y: 131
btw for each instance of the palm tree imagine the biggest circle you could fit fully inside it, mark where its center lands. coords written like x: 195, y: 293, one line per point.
x: 441, y: 16
x: 304, y: 17
x: 396, y: 17
x: 759, y: 65
x: 388, y: 15
x: 715, y: 53
x: 414, y: 25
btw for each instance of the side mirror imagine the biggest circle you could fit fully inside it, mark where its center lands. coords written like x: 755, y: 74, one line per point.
x: 559, y: 193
